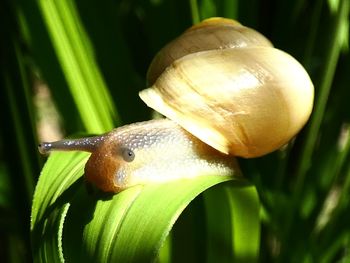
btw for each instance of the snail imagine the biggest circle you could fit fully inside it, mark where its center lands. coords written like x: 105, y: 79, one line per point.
x: 225, y: 90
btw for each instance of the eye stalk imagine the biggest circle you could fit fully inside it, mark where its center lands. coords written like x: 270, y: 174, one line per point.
x: 103, y: 163
x: 127, y: 154
x: 88, y: 144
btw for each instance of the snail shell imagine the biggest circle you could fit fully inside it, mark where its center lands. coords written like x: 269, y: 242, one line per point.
x: 211, y: 34
x: 246, y: 99
x: 225, y: 90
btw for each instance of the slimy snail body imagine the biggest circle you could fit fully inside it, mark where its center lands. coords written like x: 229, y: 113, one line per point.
x: 144, y: 152
x: 225, y: 91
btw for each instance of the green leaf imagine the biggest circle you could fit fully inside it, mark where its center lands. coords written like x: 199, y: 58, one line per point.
x: 244, y: 204
x: 50, y: 203
x: 233, y: 218
x: 78, y: 62
x: 69, y: 225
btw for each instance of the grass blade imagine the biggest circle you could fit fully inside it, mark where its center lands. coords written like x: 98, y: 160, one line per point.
x: 77, y: 60
x: 128, y: 227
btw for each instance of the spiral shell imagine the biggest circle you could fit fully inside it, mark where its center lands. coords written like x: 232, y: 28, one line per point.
x: 229, y: 87
x: 211, y: 34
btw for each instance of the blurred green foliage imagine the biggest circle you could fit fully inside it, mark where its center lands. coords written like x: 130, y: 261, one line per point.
x: 304, y: 188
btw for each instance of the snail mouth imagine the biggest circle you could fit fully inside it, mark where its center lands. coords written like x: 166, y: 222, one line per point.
x: 100, y: 170
x: 120, y: 178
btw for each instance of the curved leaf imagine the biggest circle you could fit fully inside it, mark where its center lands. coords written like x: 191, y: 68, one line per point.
x: 52, y: 194
x: 232, y: 212
x: 70, y: 225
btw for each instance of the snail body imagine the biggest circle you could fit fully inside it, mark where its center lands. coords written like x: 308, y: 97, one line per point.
x: 146, y: 152
x: 242, y: 98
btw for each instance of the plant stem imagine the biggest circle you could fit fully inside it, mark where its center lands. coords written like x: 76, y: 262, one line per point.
x: 194, y: 12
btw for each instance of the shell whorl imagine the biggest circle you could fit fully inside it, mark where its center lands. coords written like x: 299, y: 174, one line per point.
x: 244, y: 98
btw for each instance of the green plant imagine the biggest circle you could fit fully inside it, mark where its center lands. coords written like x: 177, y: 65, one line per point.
x: 94, y: 58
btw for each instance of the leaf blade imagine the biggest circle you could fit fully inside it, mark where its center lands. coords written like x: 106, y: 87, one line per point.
x: 105, y: 230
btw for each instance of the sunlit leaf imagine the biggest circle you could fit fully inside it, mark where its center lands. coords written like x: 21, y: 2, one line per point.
x: 70, y: 225
x: 79, y: 65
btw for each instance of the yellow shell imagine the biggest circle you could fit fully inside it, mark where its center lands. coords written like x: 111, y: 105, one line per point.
x: 247, y: 101
x: 211, y: 34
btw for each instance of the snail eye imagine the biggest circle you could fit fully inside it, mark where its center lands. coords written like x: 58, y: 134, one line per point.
x: 127, y: 154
